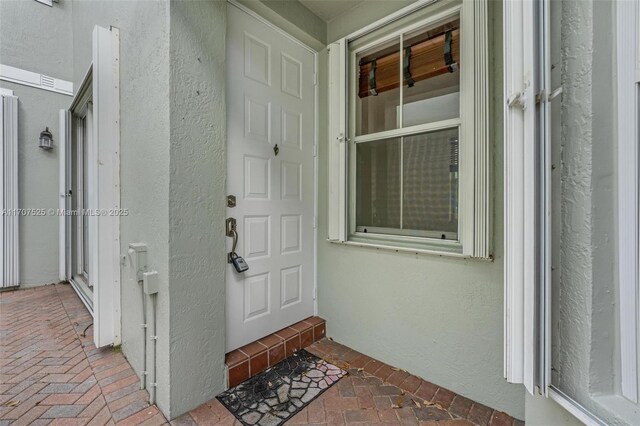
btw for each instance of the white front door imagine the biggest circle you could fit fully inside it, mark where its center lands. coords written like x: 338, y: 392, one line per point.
x: 270, y: 160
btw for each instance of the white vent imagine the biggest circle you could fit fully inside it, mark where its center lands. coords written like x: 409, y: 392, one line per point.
x: 46, y: 81
x: 33, y: 79
x: 9, y: 201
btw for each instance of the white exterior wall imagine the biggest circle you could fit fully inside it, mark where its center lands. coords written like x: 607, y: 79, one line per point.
x: 197, y: 202
x: 45, y: 33
x: 144, y: 157
x: 439, y: 318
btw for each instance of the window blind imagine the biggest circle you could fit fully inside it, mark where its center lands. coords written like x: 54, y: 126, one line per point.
x: 428, y: 58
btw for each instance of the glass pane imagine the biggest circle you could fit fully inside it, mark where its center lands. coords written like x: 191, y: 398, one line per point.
x: 434, y: 94
x: 430, y: 183
x: 378, y: 88
x: 378, y: 184
x: 85, y: 200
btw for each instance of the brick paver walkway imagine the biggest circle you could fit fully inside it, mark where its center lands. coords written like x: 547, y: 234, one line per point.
x: 50, y: 371
x: 373, y: 393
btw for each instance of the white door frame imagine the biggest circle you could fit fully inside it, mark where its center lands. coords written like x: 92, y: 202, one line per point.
x: 100, y: 86
x: 235, y: 3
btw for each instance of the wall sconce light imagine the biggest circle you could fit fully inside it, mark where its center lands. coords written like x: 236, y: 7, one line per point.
x: 46, y: 139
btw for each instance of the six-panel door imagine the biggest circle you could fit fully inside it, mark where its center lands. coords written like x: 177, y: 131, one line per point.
x: 270, y: 145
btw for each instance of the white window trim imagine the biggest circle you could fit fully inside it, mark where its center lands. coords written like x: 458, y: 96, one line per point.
x: 475, y: 204
x: 573, y: 407
x: 628, y: 88
x: 101, y: 85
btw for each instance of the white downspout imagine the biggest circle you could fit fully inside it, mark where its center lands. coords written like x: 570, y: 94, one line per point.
x: 150, y: 288
x: 143, y: 326
x: 138, y: 258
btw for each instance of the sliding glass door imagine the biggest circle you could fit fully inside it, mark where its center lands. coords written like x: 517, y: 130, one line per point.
x: 82, y: 143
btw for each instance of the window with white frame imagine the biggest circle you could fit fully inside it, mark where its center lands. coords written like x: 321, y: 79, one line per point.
x: 409, y: 162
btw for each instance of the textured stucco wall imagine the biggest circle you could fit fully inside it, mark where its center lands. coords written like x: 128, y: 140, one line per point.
x: 44, y: 32
x: 144, y: 158
x: 440, y: 318
x: 572, y: 335
x: 197, y: 202
x: 173, y: 176
x: 584, y: 297
x: 41, y: 31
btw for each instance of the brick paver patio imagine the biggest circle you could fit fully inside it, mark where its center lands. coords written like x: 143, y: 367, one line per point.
x: 373, y: 393
x: 50, y: 371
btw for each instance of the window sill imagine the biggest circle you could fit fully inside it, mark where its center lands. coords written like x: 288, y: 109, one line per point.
x: 444, y: 249
x: 618, y: 407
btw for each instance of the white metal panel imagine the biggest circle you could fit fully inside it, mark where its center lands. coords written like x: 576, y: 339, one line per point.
x: 527, y: 193
x: 482, y: 206
x: 105, y: 161
x: 337, y: 142
x: 519, y: 178
x: 628, y: 195
x: 64, y: 182
x: 9, y: 237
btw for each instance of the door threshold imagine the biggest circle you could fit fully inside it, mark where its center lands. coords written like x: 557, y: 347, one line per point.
x: 255, y: 357
x: 79, y: 289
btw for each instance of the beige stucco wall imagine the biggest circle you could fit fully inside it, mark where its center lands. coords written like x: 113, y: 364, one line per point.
x: 144, y: 156
x: 440, y: 318
x: 44, y: 32
x: 173, y: 171
x: 197, y: 202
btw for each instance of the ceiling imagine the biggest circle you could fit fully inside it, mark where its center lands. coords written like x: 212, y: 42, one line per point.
x: 329, y: 9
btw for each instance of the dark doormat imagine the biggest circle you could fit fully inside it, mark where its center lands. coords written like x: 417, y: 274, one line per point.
x: 277, y: 394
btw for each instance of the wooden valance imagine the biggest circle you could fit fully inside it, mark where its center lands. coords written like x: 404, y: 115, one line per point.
x: 429, y: 58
